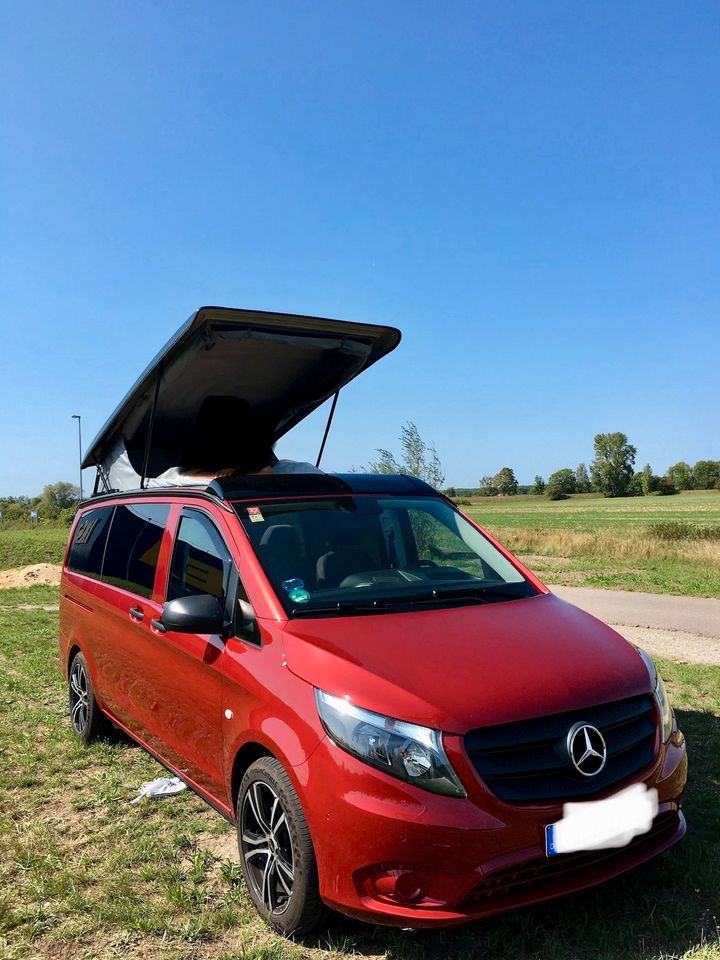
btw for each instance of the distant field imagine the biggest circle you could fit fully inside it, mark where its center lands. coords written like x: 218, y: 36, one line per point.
x: 590, y: 513
x: 591, y: 541
x: 20, y: 548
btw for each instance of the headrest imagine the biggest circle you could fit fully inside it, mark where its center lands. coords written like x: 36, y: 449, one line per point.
x: 282, y: 538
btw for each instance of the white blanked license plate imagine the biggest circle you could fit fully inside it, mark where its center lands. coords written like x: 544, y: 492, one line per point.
x: 597, y: 824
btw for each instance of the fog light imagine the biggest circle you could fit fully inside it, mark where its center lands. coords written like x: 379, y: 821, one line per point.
x: 402, y: 886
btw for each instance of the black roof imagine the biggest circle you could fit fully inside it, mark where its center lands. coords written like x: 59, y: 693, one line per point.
x: 264, y: 486
x: 271, y: 486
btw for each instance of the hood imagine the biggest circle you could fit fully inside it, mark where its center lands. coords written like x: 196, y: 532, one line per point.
x: 279, y: 366
x: 466, y: 667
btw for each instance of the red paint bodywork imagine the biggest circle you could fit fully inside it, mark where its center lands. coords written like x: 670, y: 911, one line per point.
x: 454, y: 670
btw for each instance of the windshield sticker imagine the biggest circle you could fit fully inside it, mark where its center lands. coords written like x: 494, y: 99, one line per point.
x: 255, y: 514
x: 299, y: 595
x: 295, y: 584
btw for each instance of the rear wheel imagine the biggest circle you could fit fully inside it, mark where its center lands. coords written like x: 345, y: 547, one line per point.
x: 276, y: 852
x: 86, y: 719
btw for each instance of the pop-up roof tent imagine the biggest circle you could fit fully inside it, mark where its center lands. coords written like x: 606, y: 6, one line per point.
x: 281, y: 366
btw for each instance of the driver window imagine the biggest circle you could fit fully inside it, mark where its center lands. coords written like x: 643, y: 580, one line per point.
x: 201, y: 562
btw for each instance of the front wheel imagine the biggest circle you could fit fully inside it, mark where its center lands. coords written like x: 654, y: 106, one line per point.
x: 276, y: 852
x: 86, y: 719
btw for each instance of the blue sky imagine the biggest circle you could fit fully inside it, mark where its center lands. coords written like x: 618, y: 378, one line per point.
x: 529, y: 191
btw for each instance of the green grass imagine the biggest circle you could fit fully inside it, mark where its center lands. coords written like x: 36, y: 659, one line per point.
x: 83, y: 875
x: 653, y: 544
x: 21, y: 548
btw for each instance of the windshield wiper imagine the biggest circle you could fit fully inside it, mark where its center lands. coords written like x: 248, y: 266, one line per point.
x: 499, y: 590
x: 463, y: 594
x: 343, y: 606
x: 436, y: 596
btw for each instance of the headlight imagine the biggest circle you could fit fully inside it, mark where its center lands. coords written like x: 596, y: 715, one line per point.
x: 404, y: 750
x: 664, y: 708
x: 666, y: 714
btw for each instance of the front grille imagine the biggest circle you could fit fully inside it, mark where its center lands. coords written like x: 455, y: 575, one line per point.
x: 533, y: 875
x: 527, y: 761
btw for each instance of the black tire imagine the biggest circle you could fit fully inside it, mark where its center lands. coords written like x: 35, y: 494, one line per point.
x: 86, y: 719
x: 276, y: 851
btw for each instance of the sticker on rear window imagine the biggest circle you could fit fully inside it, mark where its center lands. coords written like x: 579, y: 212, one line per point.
x: 255, y: 514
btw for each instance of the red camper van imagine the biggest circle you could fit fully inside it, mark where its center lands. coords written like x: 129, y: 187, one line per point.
x: 402, y: 721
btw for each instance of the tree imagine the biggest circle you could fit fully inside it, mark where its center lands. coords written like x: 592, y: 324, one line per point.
x: 705, y: 474
x: 56, y: 497
x: 582, y: 480
x: 665, y: 487
x: 538, y: 488
x: 487, y: 487
x: 505, y: 482
x: 635, y: 486
x: 419, y: 459
x: 680, y: 475
x: 612, y: 468
x: 565, y: 479
x: 15, y: 511
x: 554, y: 491
x: 649, y: 480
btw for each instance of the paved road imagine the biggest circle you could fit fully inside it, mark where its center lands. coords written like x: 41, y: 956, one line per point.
x: 688, y: 614
x: 681, y: 628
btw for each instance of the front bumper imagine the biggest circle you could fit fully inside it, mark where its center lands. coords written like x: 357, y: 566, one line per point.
x: 391, y: 853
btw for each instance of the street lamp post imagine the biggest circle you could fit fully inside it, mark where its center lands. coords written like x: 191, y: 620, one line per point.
x: 76, y: 416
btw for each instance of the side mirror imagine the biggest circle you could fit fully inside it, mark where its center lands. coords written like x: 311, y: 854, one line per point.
x: 201, y: 613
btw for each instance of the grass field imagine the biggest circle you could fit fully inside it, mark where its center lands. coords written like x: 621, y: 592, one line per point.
x: 83, y: 875
x: 592, y: 541
x: 20, y: 548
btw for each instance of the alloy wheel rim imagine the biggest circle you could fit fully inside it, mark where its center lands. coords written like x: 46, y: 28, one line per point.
x: 267, y: 847
x: 79, y: 698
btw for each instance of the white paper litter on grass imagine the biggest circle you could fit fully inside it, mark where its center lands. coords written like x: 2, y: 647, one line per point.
x: 160, y: 787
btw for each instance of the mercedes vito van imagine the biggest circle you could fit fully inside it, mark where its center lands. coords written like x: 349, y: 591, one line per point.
x: 404, y: 724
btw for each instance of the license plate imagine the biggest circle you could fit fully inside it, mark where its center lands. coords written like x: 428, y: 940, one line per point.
x: 598, y: 824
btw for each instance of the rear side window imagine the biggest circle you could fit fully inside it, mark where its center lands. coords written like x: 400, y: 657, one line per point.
x: 88, y: 543
x: 201, y: 562
x: 134, y: 546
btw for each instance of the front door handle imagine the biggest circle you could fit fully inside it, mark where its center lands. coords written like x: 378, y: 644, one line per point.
x: 136, y: 613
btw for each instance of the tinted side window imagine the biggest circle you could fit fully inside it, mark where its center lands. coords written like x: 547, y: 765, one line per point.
x: 201, y: 562
x: 134, y: 545
x: 88, y: 545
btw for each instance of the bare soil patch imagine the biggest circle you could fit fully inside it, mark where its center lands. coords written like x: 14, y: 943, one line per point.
x: 222, y: 846
x: 45, y: 573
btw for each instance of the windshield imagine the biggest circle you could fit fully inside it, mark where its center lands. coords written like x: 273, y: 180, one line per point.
x: 367, y: 554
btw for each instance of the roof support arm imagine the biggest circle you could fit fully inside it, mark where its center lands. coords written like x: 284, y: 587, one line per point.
x: 151, y: 424
x: 327, y: 428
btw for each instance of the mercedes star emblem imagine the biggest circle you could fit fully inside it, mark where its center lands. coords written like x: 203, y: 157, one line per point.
x: 586, y: 748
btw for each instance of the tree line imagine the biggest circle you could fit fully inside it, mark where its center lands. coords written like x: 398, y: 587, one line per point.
x: 57, y: 502
x: 612, y: 473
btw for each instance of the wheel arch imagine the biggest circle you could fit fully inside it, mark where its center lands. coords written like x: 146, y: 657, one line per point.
x: 247, y: 755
